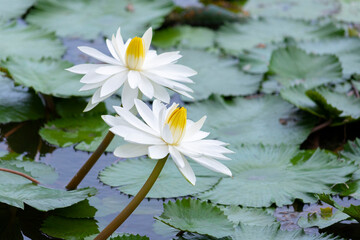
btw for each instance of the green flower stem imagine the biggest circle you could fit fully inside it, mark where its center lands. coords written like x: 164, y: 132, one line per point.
x: 79, y: 176
x: 134, y: 203
x: 20, y: 174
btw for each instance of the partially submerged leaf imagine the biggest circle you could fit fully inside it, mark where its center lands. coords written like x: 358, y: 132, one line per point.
x: 352, y: 211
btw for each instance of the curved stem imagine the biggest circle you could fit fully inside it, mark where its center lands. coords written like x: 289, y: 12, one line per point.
x: 134, y: 203
x: 20, y: 174
x: 79, y: 176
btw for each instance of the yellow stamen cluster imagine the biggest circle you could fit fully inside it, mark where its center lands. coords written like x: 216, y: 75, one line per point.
x: 135, y: 54
x: 177, y: 124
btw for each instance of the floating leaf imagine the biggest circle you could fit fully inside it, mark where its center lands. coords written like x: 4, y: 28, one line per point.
x: 130, y: 237
x: 213, y: 70
x: 71, y: 18
x: 352, y: 151
x: 242, y: 120
x: 184, y: 36
x: 234, y: 38
x: 130, y: 175
x: 14, y: 8
x: 79, y: 210
x: 195, y: 216
x: 86, y: 132
x: 41, y: 198
x: 315, y: 219
x: 28, y: 42
x: 305, y: 9
x: 249, y: 216
x: 273, y: 232
x: 292, y: 66
x: 69, y: 228
x: 263, y: 175
x: 45, y: 76
x: 349, y: 11
x: 352, y: 211
x: 17, y: 104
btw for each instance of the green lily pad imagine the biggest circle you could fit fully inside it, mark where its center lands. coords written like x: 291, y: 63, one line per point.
x: 79, y: 210
x: 352, y: 151
x: 349, y: 11
x: 242, y: 120
x: 316, y: 220
x: 352, y: 211
x: 249, y: 216
x: 17, y: 104
x: 130, y: 237
x: 86, y: 132
x: 45, y: 76
x: 213, y: 70
x: 305, y: 9
x: 41, y: 198
x: 263, y: 175
x: 28, y: 42
x: 130, y: 175
x: 192, y: 215
x: 184, y: 36
x: 14, y: 8
x: 234, y: 38
x: 292, y: 66
x: 273, y: 232
x: 71, y: 18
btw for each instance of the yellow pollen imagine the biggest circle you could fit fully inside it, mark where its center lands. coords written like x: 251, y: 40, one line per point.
x: 177, y: 124
x: 135, y: 53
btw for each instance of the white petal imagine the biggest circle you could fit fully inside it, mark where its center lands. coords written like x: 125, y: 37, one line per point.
x: 166, y: 82
x: 134, y: 78
x: 110, y: 69
x: 92, y: 77
x: 213, y: 165
x: 88, y: 87
x: 193, y: 129
x: 147, y: 39
x: 84, y: 68
x: 113, y: 121
x: 114, y: 82
x: 135, y: 135
x: 119, y: 47
x: 157, y: 107
x: 146, y: 114
x: 134, y: 121
x: 98, y: 55
x: 158, y: 151
x: 187, y: 172
x: 96, y: 97
x: 146, y: 87
x: 90, y: 106
x: 166, y: 134
x: 162, y: 59
x: 177, y: 69
x: 128, y: 95
x: 161, y: 93
x: 177, y: 157
x: 131, y: 150
x: 112, y: 49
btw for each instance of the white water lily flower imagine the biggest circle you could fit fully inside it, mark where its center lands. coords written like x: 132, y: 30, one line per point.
x: 167, y: 131
x: 134, y: 67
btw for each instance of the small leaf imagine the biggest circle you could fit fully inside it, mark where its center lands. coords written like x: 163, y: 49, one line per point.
x: 352, y: 211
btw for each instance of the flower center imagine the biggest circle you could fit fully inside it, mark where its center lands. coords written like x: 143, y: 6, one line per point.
x: 177, y: 123
x: 135, y: 53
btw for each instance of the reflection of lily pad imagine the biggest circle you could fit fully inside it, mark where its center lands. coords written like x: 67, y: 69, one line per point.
x: 195, y: 216
x: 263, y: 175
x: 46, y: 76
x: 28, y: 42
x: 218, y: 75
x: 17, y: 104
x: 130, y: 175
x: 89, y: 18
x: 268, y: 120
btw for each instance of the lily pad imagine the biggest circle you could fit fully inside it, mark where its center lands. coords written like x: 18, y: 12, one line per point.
x: 292, y: 66
x: 234, y: 38
x: 352, y: 211
x: 315, y: 219
x: 14, y: 8
x: 28, y: 42
x: 212, y: 73
x: 305, y: 9
x: 130, y: 175
x: 71, y: 18
x: 249, y: 216
x: 349, y: 11
x: 41, y: 198
x: 45, y: 76
x: 184, y: 36
x: 352, y: 151
x: 130, y: 237
x: 242, y: 120
x: 86, y: 132
x: 197, y: 217
x: 17, y: 104
x: 263, y: 175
